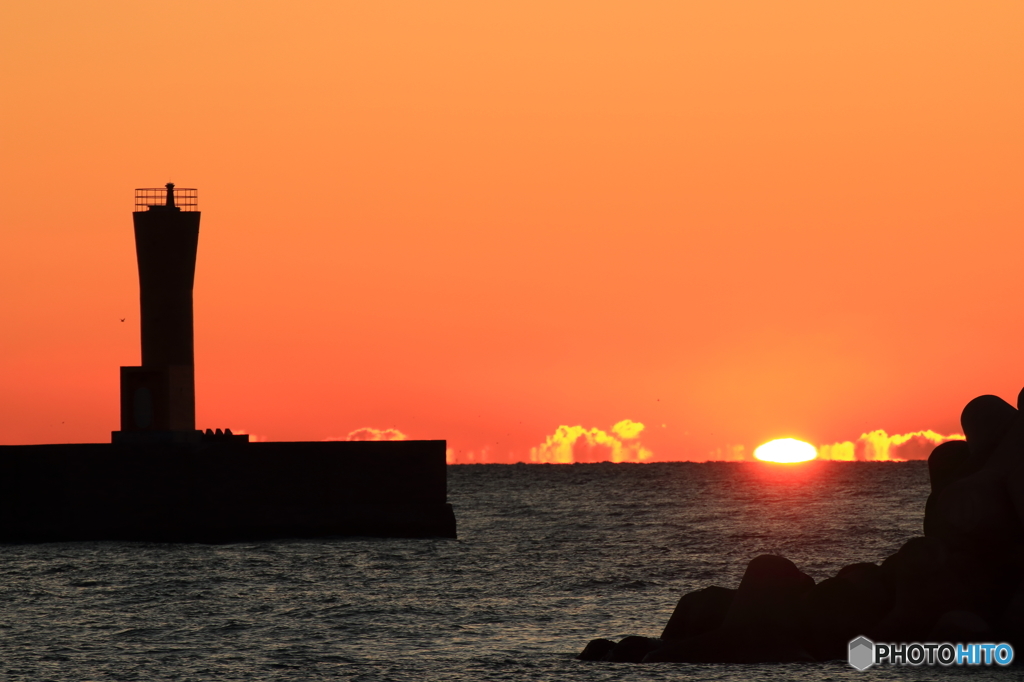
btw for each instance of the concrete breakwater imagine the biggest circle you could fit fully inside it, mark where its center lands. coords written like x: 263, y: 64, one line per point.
x: 223, y: 491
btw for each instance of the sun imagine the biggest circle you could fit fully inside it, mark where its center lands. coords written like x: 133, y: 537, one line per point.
x: 785, y: 451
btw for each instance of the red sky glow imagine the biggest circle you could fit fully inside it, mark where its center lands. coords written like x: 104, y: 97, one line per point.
x: 544, y: 232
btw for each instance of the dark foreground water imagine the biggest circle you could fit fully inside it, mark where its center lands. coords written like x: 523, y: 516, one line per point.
x: 548, y: 558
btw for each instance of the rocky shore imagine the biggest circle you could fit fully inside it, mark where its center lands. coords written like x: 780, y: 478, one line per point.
x: 962, y: 582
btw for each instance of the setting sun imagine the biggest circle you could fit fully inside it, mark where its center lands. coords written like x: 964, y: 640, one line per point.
x: 785, y: 451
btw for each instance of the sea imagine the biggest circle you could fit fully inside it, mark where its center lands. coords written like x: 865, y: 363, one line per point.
x: 548, y: 557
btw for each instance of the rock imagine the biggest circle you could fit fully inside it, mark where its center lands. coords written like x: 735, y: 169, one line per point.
x: 859, y: 572
x: 962, y: 627
x: 874, y: 590
x: 982, y: 586
x: 949, y: 461
x: 864, y: 573
x: 1014, y: 482
x: 961, y: 582
x: 979, y: 511
x: 901, y: 624
x: 760, y: 625
x: 632, y: 649
x: 917, y: 557
x: 1009, y: 453
x: 768, y: 593
x: 596, y: 650
x: 1011, y: 620
x: 837, y: 610
x: 975, y: 514
x: 923, y: 587
x: 699, y: 612
x: 985, y: 420
x: 733, y: 645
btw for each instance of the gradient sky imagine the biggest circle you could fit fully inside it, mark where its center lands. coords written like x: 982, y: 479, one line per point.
x: 482, y: 221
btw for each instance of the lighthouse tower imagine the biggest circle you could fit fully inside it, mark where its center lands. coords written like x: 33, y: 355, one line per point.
x: 158, y: 400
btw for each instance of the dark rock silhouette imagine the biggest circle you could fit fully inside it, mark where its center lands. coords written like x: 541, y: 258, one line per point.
x: 762, y: 615
x: 839, y: 609
x: 597, y: 650
x: 948, y: 463
x: 768, y: 594
x: 633, y: 649
x: 698, y: 612
x: 960, y: 626
x: 630, y: 649
x: 963, y: 581
x: 984, y: 421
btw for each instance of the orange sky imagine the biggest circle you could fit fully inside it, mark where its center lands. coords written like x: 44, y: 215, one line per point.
x: 483, y: 221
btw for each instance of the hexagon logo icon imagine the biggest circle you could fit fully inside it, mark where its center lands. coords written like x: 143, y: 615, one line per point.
x: 862, y: 653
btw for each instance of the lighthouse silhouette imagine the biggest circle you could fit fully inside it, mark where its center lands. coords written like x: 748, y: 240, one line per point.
x: 158, y: 398
x: 163, y: 480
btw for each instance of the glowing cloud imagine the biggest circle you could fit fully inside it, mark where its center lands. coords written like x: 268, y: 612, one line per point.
x: 878, y: 446
x: 728, y: 453
x: 622, y: 443
x: 485, y: 455
x: 627, y: 429
x: 369, y: 433
x: 571, y: 444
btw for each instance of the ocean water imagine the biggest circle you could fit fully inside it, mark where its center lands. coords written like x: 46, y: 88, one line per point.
x: 548, y: 557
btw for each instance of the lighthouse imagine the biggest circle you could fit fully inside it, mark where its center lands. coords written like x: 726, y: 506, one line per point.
x: 163, y: 480
x: 158, y: 398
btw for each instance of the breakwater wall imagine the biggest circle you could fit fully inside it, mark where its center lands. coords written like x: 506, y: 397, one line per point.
x: 223, y: 492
